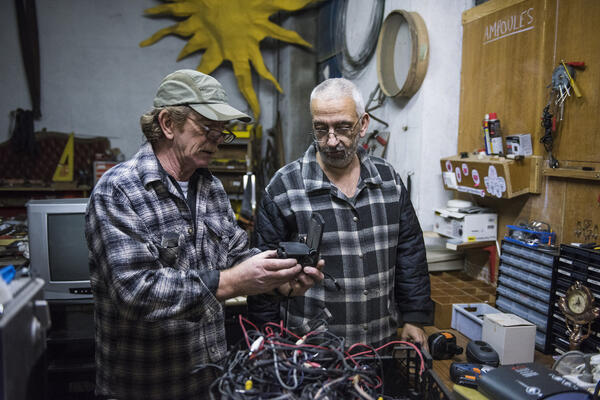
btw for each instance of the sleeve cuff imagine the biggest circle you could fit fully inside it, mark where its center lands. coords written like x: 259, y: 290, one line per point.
x: 211, y: 279
x: 418, y: 317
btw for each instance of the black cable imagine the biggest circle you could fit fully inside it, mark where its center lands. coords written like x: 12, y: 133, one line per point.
x: 282, y: 367
x: 547, y: 140
x: 351, y: 65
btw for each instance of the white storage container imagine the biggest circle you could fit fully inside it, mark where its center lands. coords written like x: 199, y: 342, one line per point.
x: 468, y: 318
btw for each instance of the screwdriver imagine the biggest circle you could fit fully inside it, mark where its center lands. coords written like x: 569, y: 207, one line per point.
x: 571, y: 80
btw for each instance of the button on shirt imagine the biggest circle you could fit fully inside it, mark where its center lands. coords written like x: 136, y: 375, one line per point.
x: 372, y: 245
x: 157, y: 317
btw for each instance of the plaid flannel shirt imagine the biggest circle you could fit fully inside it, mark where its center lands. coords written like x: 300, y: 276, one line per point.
x: 372, y: 245
x: 154, y: 265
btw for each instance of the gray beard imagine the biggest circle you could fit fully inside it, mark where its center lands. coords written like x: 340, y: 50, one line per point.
x: 339, y: 162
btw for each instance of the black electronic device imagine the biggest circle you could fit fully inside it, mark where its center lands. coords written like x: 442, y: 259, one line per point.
x: 467, y: 374
x: 306, y: 250
x: 442, y: 345
x: 528, y: 381
x: 480, y: 352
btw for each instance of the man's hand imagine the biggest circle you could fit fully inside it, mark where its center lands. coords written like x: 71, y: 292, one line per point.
x: 304, y: 281
x: 413, y: 333
x: 258, y: 274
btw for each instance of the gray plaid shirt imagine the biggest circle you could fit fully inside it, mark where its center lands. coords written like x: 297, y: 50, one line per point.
x: 154, y: 264
x: 372, y: 245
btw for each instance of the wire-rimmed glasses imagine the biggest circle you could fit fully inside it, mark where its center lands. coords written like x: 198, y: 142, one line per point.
x: 321, y: 135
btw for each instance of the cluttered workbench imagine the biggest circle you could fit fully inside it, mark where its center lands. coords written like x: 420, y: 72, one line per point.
x: 442, y: 367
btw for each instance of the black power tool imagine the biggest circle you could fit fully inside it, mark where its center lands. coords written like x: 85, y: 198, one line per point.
x: 467, y: 374
x: 442, y: 346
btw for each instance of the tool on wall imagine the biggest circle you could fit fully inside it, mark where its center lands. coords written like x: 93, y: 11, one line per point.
x: 563, y: 80
x: 378, y: 98
x: 375, y: 143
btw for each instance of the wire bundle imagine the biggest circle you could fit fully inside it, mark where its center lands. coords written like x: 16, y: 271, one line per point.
x: 352, y: 65
x: 279, y: 364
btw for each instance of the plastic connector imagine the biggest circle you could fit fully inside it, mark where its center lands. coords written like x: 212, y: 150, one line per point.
x: 257, y: 344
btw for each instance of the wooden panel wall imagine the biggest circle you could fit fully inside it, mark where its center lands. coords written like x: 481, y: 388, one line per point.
x: 506, y: 58
x: 507, y: 70
x: 578, y: 39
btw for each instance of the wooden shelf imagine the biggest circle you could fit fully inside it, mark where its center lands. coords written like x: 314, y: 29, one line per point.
x: 492, y: 176
x: 469, y: 245
x: 53, y: 187
x: 571, y: 173
x: 228, y: 169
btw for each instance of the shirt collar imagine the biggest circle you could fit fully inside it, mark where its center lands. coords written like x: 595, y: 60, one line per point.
x: 150, y: 169
x: 313, y: 175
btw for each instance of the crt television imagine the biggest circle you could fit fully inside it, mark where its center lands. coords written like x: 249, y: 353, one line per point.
x: 58, y: 249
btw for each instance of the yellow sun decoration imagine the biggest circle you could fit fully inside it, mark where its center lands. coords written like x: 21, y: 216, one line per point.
x: 228, y: 30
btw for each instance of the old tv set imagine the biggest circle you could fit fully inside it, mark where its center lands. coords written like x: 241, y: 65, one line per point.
x: 57, y: 247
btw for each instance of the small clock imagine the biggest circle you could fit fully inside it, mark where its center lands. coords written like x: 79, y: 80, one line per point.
x: 578, y: 307
x: 577, y: 301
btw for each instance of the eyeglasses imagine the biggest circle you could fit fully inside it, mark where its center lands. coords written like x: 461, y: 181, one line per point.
x: 215, y: 133
x: 322, y: 134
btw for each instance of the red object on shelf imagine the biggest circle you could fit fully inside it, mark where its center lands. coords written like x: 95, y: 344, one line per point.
x: 100, y: 167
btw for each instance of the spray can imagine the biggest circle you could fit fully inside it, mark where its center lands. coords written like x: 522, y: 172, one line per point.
x: 486, y: 134
x: 497, y: 145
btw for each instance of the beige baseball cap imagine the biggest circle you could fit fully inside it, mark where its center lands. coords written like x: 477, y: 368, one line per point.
x: 201, y: 92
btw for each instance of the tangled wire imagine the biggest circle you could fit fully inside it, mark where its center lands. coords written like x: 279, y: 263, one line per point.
x: 279, y: 364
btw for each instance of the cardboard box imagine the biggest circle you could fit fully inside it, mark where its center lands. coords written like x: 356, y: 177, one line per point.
x: 466, y: 227
x: 519, y: 145
x: 511, y: 336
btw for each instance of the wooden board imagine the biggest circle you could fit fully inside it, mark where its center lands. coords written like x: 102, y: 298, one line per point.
x: 510, y: 48
x: 506, y: 60
x: 492, y: 176
x: 581, y: 221
x: 578, y: 39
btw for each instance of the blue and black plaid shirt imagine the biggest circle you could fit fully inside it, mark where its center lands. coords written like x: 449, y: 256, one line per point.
x: 154, y: 262
x: 372, y: 245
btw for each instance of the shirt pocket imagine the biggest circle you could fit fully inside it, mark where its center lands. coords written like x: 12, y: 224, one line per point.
x: 216, y: 240
x: 168, y: 246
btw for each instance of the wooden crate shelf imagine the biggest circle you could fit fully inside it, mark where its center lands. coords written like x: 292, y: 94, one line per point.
x: 492, y: 176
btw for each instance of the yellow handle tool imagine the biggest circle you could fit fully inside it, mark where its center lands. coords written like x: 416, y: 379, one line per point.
x: 571, y: 80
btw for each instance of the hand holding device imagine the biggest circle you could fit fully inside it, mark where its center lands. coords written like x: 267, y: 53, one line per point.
x: 305, y: 251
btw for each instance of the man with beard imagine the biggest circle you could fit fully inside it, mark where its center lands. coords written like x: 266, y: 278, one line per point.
x: 376, y: 276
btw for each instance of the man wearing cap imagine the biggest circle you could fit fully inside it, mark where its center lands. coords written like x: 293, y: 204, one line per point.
x: 165, y: 251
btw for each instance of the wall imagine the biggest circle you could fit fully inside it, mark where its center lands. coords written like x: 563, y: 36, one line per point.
x: 96, y: 80
x: 423, y: 128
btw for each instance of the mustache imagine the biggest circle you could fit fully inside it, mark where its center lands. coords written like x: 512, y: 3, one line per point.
x: 339, y: 147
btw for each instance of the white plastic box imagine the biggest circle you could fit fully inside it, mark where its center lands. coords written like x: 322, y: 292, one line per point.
x: 468, y: 318
x: 511, y: 336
